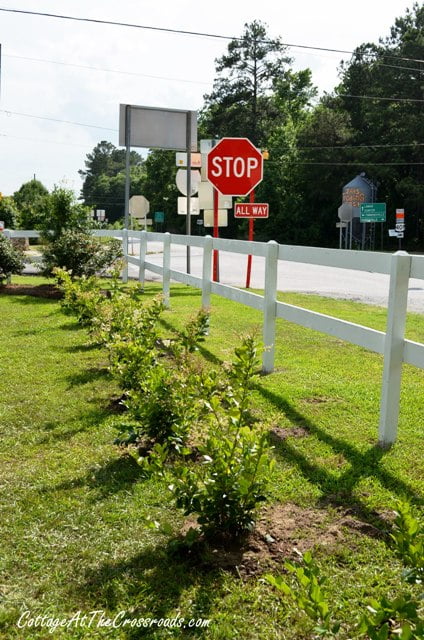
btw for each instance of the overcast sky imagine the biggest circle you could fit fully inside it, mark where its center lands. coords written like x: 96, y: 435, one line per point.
x: 155, y: 69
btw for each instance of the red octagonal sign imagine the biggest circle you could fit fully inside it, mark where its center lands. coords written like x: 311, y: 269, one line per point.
x: 234, y: 166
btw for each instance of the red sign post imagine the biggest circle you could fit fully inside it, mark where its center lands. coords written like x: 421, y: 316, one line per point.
x: 234, y: 167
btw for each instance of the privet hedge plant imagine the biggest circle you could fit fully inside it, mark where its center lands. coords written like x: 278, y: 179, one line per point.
x: 80, y: 253
x: 226, y: 488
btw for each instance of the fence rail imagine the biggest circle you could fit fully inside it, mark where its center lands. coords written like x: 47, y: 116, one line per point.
x: 400, y: 266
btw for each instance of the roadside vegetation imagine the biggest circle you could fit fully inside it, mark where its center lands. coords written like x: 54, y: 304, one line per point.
x: 103, y: 509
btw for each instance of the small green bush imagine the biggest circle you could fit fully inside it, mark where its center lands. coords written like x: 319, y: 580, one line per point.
x: 82, y: 296
x: 80, y: 253
x: 225, y: 490
x: 11, y: 259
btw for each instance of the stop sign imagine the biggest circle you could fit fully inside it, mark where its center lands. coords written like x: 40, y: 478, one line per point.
x: 234, y: 166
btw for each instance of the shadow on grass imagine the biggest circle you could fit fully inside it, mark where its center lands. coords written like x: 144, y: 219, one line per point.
x: 339, y: 490
x: 63, y: 431
x: 116, y: 475
x: 80, y: 348
x: 154, y: 579
x: 88, y: 375
x: 26, y: 299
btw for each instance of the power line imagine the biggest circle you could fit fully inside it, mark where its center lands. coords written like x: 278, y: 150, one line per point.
x: 358, y: 164
x: 185, y: 32
x: 128, y: 73
x: 155, y: 77
x: 348, y: 95
x: 79, y: 124
x: 362, y: 146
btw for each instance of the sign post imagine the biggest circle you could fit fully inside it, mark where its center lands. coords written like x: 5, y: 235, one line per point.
x: 152, y: 127
x: 400, y: 225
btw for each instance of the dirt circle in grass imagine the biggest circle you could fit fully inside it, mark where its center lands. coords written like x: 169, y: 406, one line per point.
x: 283, y: 532
x: 36, y: 290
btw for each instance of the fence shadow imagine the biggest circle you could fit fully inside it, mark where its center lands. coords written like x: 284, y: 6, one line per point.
x: 339, y: 490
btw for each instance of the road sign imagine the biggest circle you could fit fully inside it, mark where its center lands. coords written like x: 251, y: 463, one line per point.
x: 234, y: 166
x: 251, y: 210
x: 139, y: 206
x: 181, y: 181
x: 182, y: 206
x: 206, y: 197
x: 208, y: 218
x: 181, y: 160
x: 159, y: 217
x: 345, y: 212
x: 373, y: 212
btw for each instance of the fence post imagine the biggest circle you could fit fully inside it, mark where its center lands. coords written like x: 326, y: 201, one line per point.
x: 207, y: 272
x: 393, y: 348
x: 270, y: 308
x: 125, y: 252
x: 142, y: 258
x: 166, y: 267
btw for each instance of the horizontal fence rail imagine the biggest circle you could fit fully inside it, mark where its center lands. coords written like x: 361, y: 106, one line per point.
x: 400, y: 267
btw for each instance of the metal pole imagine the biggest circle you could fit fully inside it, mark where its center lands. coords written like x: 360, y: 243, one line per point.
x: 250, y: 238
x: 188, y: 219
x: 127, y: 185
x: 215, y: 235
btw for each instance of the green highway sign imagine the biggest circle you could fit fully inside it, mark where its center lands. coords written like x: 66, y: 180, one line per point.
x: 373, y: 212
x: 159, y: 217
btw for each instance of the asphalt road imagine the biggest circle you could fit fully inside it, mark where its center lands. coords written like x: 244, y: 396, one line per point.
x: 361, y: 286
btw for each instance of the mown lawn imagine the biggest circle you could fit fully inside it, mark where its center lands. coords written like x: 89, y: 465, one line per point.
x: 73, y: 505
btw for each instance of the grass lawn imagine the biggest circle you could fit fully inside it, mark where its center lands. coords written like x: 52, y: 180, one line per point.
x: 73, y: 505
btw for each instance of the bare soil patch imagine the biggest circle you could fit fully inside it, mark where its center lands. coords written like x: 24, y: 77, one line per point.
x: 37, y: 290
x: 282, y: 532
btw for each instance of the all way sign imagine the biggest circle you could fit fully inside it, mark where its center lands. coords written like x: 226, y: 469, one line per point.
x: 251, y: 210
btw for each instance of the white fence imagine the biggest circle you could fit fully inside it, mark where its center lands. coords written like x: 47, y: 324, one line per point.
x: 392, y: 344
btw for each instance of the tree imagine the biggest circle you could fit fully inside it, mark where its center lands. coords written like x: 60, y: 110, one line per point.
x: 160, y: 189
x: 8, y: 212
x: 390, y: 123
x: 104, y: 178
x: 10, y: 259
x: 256, y: 95
x: 241, y: 104
x: 63, y: 213
x: 31, y: 200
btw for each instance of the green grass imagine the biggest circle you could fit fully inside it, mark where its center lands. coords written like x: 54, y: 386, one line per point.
x: 73, y: 505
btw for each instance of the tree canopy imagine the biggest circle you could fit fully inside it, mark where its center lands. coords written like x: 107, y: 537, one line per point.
x: 371, y: 123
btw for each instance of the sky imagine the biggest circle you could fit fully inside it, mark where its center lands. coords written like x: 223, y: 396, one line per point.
x: 44, y: 67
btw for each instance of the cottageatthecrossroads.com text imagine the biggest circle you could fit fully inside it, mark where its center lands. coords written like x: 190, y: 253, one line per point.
x: 99, y: 619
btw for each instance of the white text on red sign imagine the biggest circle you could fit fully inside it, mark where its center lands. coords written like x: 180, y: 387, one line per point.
x: 251, y: 210
x: 233, y: 166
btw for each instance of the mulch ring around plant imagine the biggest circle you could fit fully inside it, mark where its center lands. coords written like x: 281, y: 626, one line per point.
x: 282, y: 533
x: 37, y: 290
